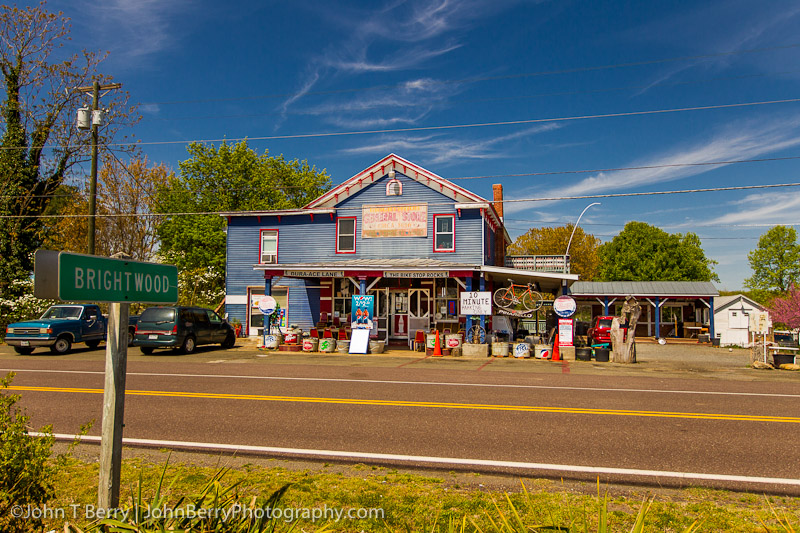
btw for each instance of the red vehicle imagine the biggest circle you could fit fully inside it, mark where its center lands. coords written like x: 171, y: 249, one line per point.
x: 600, y: 332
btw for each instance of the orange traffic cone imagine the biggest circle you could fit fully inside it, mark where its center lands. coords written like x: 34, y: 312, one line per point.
x: 437, y: 350
x: 556, y: 356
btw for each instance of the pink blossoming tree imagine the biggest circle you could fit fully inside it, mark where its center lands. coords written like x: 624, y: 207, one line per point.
x: 787, y: 309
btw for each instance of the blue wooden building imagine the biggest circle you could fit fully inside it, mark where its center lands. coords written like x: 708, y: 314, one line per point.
x: 395, y: 230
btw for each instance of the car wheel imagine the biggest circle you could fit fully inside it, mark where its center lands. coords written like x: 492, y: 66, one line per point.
x: 230, y: 340
x: 188, y: 345
x: 146, y: 350
x: 61, y: 346
x: 131, y: 333
x: 93, y: 344
x: 23, y: 350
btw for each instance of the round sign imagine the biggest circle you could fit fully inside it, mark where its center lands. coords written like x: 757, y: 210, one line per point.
x: 564, y: 306
x: 267, y: 305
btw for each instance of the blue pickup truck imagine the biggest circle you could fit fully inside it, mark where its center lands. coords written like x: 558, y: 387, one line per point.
x: 59, y: 328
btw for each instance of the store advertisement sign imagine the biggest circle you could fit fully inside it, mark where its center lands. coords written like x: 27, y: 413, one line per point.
x: 476, y: 303
x: 363, y: 307
x: 408, y: 220
x: 565, y: 331
x: 565, y: 306
x: 267, y: 305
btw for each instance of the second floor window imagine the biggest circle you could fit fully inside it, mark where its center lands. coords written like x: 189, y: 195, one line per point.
x: 444, y: 233
x: 269, y: 246
x: 346, y: 235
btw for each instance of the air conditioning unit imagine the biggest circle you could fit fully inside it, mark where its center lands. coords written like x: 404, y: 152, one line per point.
x: 269, y: 259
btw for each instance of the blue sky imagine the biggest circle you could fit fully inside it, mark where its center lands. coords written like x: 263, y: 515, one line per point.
x: 402, y: 70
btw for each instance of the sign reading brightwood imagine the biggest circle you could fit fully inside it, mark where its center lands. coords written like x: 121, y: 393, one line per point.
x: 89, y: 278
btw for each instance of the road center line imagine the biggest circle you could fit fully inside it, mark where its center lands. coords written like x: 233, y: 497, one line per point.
x: 439, y: 405
x: 401, y: 382
x: 441, y: 460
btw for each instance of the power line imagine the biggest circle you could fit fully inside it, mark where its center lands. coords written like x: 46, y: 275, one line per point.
x: 547, y: 199
x: 492, y: 78
x: 451, y: 126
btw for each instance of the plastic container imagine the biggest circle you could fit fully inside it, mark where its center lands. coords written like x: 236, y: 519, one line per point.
x: 539, y: 351
x: 583, y: 354
x: 522, y: 350
x: 452, y: 340
x: 272, y: 342
x: 602, y: 355
x: 376, y: 346
x: 310, y: 344
x: 343, y: 346
x: 500, y: 349
x: 327, y: 345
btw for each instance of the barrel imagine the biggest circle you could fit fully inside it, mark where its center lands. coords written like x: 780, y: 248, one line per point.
x: 343, y: 346
x: 272, y: 341
x: 500, y: 349
x: 601, y: 355
x: 522, y: 350
x: 376, y: 346
x: 583, y: 354
x: 290, y: 338
x: 430, y: 340
x: 539, y: 351
x: 327, y: 345
x: 310, y: 344
x: 452, y: 340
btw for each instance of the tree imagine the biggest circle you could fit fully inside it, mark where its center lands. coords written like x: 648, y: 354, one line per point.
x: 645, y: 253
x: 230, y: 178
x: 775, y: 261
x: 38, y: 144
x: 121, y: 190
x: 584, y: 258
x: 786, y: 310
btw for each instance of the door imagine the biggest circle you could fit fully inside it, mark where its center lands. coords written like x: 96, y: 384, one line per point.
x: 381, y: 313
x: 419, y: 310
x: 92, y: 326
x: 398, y: 314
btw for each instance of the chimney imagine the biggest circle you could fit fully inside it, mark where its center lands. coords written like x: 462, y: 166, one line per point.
x: 497, y: 190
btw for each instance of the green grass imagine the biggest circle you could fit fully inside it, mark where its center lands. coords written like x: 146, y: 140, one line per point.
x: 445, y: 503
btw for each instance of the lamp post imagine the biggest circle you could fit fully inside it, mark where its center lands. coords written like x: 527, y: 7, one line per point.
x: 566, y: 254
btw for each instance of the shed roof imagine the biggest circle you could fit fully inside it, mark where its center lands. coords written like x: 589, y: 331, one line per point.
x: 696, y: 289
x: 724, y: 302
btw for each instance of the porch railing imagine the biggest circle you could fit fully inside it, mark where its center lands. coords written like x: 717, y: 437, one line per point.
x: 539, y: 263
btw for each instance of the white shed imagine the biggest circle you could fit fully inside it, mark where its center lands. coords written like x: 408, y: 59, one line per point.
x: 732, y: 319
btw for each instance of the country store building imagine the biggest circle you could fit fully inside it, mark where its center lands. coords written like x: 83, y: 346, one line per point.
x: 412, y: 239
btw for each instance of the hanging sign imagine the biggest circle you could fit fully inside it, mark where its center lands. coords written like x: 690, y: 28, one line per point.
x: 565, y: 306
x: 267, y: 305
x: 408, y: 220
x: 476, y: 303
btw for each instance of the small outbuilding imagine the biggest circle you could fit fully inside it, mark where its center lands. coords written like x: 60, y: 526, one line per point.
x: 732, y: 319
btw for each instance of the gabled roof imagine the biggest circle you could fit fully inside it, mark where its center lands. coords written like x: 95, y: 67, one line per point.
x: 403, y: 166
x: 645, y: 288
x: 723, y: 302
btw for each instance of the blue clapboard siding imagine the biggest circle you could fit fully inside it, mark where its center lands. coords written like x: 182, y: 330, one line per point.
x: 302, y: 239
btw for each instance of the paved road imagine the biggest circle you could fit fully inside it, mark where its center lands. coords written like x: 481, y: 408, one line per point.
x: 651, y: 423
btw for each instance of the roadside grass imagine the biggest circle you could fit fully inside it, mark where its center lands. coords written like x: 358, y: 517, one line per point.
x: 413, y: 502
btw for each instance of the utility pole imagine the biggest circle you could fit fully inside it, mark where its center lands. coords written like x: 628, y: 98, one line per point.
x: 97, y: 120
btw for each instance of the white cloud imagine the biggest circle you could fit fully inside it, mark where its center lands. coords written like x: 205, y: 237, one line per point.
x: 763, y: 208
x: 741, y: 140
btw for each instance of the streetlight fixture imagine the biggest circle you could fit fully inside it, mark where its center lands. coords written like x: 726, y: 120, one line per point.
x: 566, y: 254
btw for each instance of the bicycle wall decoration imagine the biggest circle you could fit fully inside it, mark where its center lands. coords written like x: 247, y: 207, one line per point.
x: 511, y: 297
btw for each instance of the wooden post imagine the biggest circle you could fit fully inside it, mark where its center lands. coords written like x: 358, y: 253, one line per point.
x: 113, y: 406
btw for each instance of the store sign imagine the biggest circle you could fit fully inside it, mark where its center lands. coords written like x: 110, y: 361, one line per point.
x: 476, y: 303
x: 408, y: 220
x: 565, y: 306
x: 89, y: 278
x: 363, y: 307
x: 565, y: 330
x: 267, y: 305
x: 415, y: 275
x: 313, y: 274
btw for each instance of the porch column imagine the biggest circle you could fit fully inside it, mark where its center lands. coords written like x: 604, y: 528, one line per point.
x: 468, y: 283
x: 605, y: 307
x: 658, y: 318
x: 711, y: 317
x: 482, y: 286
x: 362, y: 285
x: 267, y: 285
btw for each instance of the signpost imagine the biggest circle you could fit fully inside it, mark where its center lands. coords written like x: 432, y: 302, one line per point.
x: 118, y: 281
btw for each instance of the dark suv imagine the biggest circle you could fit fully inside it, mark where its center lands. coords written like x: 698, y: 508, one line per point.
x: 181, y: 327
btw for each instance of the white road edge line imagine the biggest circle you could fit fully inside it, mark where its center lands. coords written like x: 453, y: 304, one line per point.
x: 437, y: 383
x: 437, y: 460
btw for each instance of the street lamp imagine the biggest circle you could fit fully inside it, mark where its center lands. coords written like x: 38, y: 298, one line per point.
x: 566, y: 254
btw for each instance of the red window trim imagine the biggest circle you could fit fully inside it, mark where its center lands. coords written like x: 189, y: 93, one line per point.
x: 444, y: 250
x: 355, y: 234
x: 261, y: 242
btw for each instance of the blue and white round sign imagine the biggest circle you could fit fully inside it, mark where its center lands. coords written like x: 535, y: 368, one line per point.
x: 565, y: 306
x: 267, y: 305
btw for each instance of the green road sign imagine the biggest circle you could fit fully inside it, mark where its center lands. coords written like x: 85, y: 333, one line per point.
x: 90, y: 278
